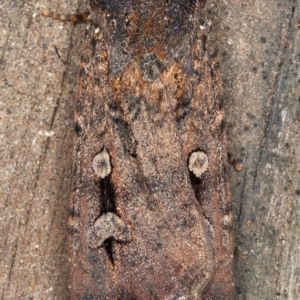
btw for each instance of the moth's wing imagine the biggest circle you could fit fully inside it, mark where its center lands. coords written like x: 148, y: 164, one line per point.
x: 201, y: 124
x: 148, y: 188
x: 90, y: 264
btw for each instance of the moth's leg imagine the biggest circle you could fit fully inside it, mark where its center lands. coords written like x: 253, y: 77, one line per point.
x: 74, y: 18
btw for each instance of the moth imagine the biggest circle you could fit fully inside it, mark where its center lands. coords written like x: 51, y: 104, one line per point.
x: 151, y: 214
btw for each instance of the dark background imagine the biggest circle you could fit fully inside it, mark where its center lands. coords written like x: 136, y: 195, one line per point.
x: 258, y: 45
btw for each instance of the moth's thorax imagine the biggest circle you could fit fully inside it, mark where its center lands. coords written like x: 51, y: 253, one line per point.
x: 166, y: 29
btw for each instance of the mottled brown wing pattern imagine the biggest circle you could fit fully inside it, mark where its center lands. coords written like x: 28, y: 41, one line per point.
x: 150, y: 208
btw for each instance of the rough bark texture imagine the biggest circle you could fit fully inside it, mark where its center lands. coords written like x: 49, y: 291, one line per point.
x: 259, y: 54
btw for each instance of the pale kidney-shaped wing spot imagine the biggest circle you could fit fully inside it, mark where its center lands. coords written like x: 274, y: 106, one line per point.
x: 198, y: 163
x: 110, y: 225
x: 101, y: 164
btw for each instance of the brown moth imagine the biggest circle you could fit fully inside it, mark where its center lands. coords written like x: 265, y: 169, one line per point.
x: 151, y: 213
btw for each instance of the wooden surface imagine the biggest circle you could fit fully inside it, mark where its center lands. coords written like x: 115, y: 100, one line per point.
x: 259, y: 52
x: 258, y: 44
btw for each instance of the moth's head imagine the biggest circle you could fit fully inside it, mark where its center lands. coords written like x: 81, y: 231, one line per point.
x: 112, y: 6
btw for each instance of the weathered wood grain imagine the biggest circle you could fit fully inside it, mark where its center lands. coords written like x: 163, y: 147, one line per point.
x: 259, y: 50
